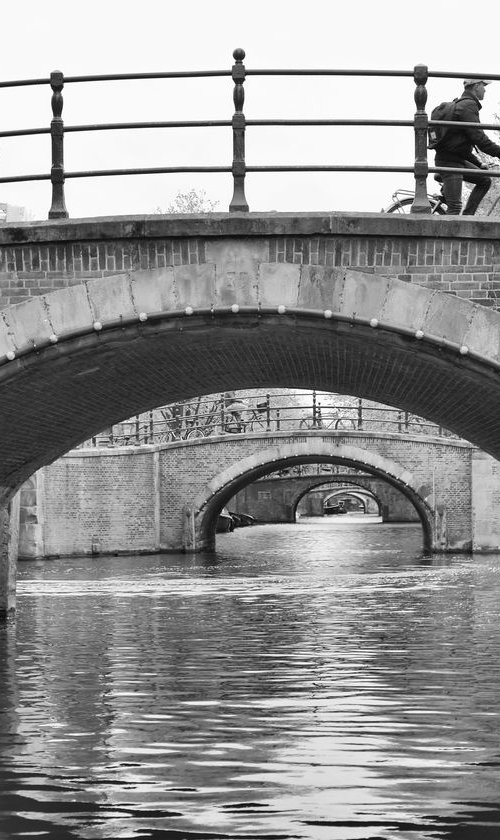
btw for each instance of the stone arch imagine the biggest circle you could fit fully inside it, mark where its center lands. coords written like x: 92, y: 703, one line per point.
x: 330, y: 480
x: 359, y: 493
x: 201, y: 515
x: 79, y: 359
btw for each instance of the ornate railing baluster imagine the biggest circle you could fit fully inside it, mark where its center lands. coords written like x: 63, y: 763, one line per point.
x: 421, y: 203
x: 238, y: 201
x: 58, y: 207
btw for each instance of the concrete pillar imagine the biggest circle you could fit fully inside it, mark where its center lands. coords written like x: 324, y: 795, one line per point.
x: 9, y: 538
x: 32, y: 517
x: 193, y: 540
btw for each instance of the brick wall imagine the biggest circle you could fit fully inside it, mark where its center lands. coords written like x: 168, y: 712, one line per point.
x: 133, y: 499
x: 456, y: 256
x: 98, y: 502
x: 469, y: 269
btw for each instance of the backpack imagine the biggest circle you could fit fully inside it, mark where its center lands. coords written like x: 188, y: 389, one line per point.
x: 436, y: 133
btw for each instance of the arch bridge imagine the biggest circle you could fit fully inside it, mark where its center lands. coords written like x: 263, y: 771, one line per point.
x: 168, y: 497
x: 103, y: 319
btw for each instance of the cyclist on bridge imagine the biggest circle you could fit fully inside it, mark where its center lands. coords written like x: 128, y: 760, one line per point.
x: 456, y: 149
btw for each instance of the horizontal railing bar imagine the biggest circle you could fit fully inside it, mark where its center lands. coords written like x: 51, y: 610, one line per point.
x: 18, y: 132
x: 160, y: 170
x: 272, y: 71
x: 494, y: 173
x: 161, y: 74
x: 154, y: 170
x: 23, y: 82
x: 285, y: 122
x: 439, y: 74
x: 339, y: 168
x: 21, y: 132
x: 195, y: 74
x: 160, y: 124
x: 492, y: 126
x: 13, y: 179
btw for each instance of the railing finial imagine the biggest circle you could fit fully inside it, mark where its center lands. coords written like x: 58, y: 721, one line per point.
x: 238, y: 201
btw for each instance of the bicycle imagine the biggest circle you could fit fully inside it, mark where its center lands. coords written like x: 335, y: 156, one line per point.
x: 402, y: 201
x: 331, y: 421
x: 403, y: 205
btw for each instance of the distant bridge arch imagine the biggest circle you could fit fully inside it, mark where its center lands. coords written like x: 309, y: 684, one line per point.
x: 202, y: 512
x: 360, y: 493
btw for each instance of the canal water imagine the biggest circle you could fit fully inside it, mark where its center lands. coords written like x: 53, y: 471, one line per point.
x: 322, y: 680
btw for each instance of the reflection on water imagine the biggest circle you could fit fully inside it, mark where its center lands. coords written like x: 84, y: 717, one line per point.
x: 318, y: 680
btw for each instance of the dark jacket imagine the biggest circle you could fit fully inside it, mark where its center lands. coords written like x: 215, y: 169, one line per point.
x: 458, y: 143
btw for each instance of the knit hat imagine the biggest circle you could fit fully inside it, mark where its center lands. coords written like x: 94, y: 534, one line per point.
x: 468, y: 82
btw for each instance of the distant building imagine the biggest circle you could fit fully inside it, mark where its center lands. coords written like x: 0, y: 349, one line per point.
x: 11, y: 213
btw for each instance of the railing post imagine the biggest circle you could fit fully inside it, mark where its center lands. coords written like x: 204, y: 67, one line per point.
x: 360, y: 413
x: 58, y: 207
x: 268, y: 413
x: 238, y: 201
x: 421, y: 203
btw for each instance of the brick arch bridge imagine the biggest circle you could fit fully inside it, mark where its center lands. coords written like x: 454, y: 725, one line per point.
x: 105, y: 318
x: 358, y: 492
x: 276, y: 499
x: 225, y: 465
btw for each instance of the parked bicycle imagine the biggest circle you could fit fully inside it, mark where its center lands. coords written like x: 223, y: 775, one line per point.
x: 330, y: 419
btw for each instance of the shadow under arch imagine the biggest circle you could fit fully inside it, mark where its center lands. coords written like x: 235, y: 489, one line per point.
x: 201, y: 515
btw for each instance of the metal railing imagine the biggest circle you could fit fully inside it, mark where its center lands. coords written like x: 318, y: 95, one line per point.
x: 238, y: 123
x: 248, y: 413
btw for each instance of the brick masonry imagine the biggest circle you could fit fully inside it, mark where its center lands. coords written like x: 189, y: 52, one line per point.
x: 469, y: 269
x: 276, y: 499
x: 465, y: 263
x: 134, y: 499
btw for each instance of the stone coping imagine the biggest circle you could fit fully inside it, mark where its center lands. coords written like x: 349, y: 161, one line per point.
x: 310, y: 434
x: 155, y: 226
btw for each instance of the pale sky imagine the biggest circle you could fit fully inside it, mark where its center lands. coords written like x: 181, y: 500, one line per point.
x: 103, y: 36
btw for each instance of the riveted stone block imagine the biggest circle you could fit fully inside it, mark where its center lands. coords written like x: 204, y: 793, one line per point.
x: 194, y: 285
x: 154, y: 290
x: 448, y: 318
x: 483, y: 333
x: 6, y: 340
x: 69, y: 310
x: 28, y: 323
x: 237, y: 270
x: 110, y: 298
x: 364, y: 294
x: 279, y: 284
x: 321, y: 287
x: 406, y: 303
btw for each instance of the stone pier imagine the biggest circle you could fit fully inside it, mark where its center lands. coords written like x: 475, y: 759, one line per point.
x: 9, y: 537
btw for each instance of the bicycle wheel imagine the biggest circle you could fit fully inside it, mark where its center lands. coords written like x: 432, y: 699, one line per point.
x: 404, y: 206
x: 195, y: 432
